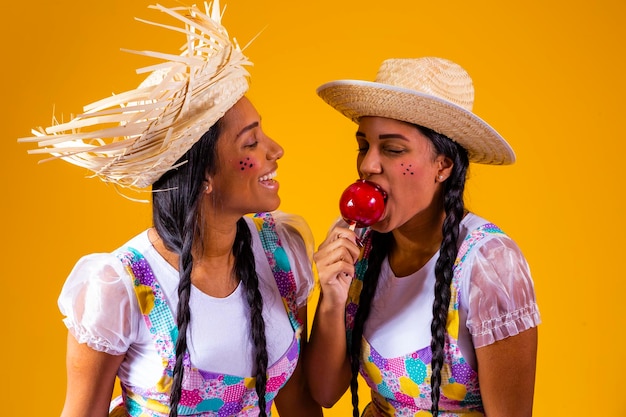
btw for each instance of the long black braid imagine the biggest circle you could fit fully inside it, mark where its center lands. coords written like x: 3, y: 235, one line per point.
x: 454, y: 207
x: 380, y: 247
x: 176, y: 217
x: 245, y: 269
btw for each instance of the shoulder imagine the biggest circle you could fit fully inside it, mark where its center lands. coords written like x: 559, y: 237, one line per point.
x: 487, y: 255
x: 474, y: 224
x: 478, y: 236
x: 496, y: 285
x: 100, y: 274
x: 489, y: 260
x: 98, y: 302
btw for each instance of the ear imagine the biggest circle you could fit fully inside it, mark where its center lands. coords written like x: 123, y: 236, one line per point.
x: 208, y: 185
x: 444, y: 168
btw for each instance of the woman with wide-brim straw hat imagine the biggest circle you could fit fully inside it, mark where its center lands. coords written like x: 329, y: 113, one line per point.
x: 180, y: 313
x: 435, y: 306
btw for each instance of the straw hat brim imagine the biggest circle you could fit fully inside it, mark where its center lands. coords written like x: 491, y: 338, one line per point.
x: 356, y: 99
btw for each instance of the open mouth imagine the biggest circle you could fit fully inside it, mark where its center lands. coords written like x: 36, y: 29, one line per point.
x: 268, y: 177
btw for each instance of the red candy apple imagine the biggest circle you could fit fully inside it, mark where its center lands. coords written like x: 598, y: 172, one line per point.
x: 362, y: 204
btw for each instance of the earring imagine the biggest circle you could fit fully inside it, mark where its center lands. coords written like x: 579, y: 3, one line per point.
x: 440, y: 177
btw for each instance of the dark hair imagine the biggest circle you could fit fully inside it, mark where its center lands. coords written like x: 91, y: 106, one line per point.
x: 454, y: 207
x: 176, y: 215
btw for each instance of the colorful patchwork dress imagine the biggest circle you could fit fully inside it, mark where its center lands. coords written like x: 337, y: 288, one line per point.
x: 205, y: 392
x: 395, y: 357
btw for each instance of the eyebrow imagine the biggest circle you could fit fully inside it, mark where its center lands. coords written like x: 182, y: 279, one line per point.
x: 386, y: 136
x: 247, y: 128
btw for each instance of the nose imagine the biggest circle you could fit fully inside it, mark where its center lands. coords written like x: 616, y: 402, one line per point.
x: 274, y: 150
x: 369, y: 164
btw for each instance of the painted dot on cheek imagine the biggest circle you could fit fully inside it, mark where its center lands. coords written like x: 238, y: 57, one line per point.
x: 407, y: 169
x: 245, y: 164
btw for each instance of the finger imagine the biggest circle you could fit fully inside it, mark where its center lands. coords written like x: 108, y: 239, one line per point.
x: 349, y: 250
x: 350, y: 235
x: 331, y: 267
x: 334, y: 249
x: 337, y: 274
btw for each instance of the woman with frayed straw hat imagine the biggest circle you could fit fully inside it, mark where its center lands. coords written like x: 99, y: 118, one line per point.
x: 180, y: 312
x: 433, y: 305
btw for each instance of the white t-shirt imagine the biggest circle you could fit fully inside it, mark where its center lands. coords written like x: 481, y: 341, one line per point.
x: 497, y: 299
x: 101, y: 308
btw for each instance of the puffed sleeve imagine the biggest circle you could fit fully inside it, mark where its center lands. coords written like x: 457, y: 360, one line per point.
x: 298, y: 242
x: 499, y: 292
x: 97, y: 300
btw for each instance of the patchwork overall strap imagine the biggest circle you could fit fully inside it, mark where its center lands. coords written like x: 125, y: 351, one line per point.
x: 279, y: 263
x: 156, y: 313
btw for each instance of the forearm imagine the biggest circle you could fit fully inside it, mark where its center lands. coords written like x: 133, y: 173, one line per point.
x: 295, y: 400
x: 327, y: 364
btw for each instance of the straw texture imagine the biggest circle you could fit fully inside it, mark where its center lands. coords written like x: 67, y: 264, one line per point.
x: 132, y: 138
x: 431, y: 92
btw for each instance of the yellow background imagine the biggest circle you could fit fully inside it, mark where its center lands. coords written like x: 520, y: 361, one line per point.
x: 549, y: 75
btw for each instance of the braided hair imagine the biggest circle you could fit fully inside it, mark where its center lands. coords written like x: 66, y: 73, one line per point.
x: 380, y: 247
x: 177, y: 218
x: 454, y: 208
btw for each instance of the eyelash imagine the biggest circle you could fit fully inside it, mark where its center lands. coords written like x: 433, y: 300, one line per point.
x: 364, y: 150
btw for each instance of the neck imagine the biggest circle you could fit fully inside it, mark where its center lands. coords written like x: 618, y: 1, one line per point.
x: 213, y: 260
x: 415, y: 243
x: 213, y: 270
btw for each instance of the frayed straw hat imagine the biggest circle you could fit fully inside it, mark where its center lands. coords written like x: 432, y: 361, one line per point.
x: 133, y: 138
x: 431, y: 92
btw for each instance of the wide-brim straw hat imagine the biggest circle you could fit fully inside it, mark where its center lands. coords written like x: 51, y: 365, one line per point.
x: 431, y: 92
x: 131, y: 139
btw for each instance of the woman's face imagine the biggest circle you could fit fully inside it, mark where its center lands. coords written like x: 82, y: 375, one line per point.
x: 246, y: 164
x: 399, y: 158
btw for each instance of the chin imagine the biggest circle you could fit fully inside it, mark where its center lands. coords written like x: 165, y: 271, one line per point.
x: 269, y: 206
x: 381, y: 227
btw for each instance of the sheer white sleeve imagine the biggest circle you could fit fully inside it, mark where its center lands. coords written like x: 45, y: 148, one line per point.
x: 297, y: 240
x: 97, y: 301
x: 499, y: 292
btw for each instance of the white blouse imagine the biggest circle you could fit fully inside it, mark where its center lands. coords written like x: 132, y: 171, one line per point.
x: 101, y: 308
x: 497, y: 299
